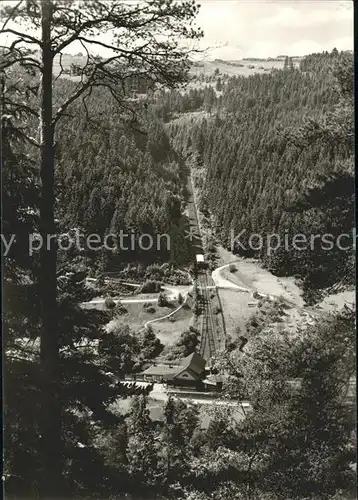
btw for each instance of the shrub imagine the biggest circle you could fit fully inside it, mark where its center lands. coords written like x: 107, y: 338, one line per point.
x: 150, y: 286
x: 196, y: 308
x: 242, y: 341
x: 109, y: 303
x: 162, y: 300
x: 171, y: 319
x: 150, y: 309
x: 120, y: 309
x: 95, y: 290
x: 180, y: 299
x: 154, y: 270
x: 146, y: 305
x: 100, y: 280
x: 231, y: 344
x: 232, y: 268
x: 217, y: 309
x: 189, y: 341
x: 150, y: 345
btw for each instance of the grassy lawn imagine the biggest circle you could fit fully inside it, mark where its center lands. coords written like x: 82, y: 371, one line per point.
x: 237, y: 277
x: 236, y: 310
x: 250, y: 274
x: 137, y: 315
x: 122, y: 407
x: 169, y: 331
x: 225, y: 256
x: 246, y: 67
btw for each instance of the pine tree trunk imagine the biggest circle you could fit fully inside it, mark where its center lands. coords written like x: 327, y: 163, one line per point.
x: 51, y: 449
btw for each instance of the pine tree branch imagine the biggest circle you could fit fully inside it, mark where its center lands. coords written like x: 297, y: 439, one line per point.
x: 23, y: 36
x: 10, y: 16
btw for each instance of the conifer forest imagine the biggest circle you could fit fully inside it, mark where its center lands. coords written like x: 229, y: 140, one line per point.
x: 178, y: 257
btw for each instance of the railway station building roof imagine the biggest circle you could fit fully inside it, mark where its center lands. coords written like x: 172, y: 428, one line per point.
x: 190, y: 368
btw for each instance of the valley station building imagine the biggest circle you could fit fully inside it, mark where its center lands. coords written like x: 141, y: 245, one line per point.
x: 190, y: 371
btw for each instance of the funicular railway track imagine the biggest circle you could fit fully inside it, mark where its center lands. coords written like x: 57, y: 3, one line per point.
x: 208, y: 343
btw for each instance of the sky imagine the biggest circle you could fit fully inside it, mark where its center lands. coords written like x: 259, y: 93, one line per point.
x: 263, y: 28
x: 234, y: 29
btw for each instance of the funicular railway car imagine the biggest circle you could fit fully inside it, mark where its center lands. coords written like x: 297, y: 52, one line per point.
x: 200, y: 262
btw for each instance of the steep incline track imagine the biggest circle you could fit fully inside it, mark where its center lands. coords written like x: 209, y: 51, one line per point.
x: 209, y: 340
x: 209, y: 343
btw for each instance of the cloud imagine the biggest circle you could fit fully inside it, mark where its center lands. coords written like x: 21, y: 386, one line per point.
x: 304, y: 47
x: 285, y: 16
x: 267, y: 28
x: 264, y: 49
x: 228, y: 53
x: 262, y: 28
x: 304, y: 14
x: 343, y: 43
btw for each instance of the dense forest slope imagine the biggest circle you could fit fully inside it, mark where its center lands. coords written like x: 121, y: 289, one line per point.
x: 268, y: 141
x: 118, y: 176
